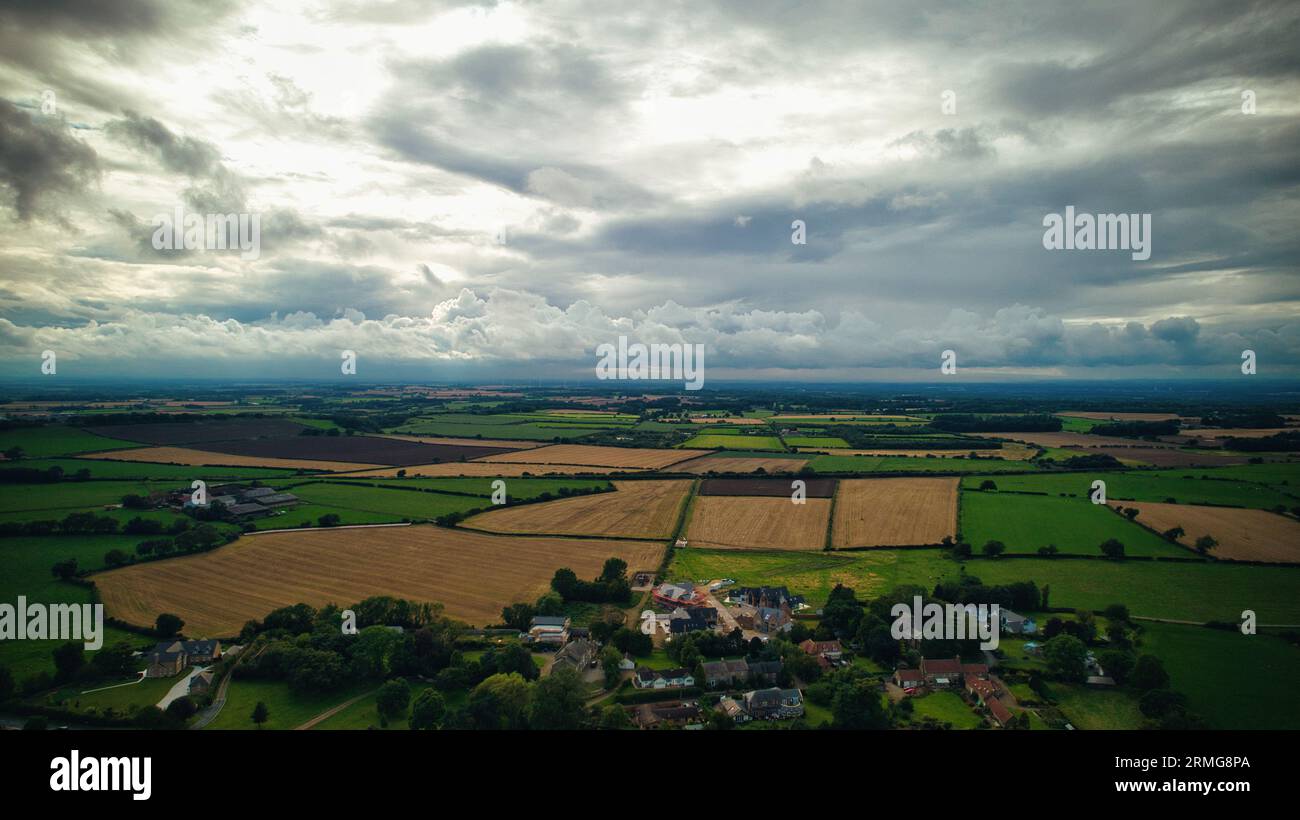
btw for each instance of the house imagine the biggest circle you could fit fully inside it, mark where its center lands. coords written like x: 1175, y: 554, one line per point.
x: 717, y: 673
x: 202, y: 651
x: 684, y: 621
x: 764, y: 671
x: 909, y: 678
x: 827, y: 653
x: 256, y: 493
x: 766, y: 597
x: 773, y: 704
x: 1000, y: 713
x: 945, y: 672
x: 627, y: 664
x: 677, y: 595
x: 1099, y: 680
x: 646, y: 678
x: 769, y: 620
x: 168, y: 658
x: 164, y: 664
x: 579, y: 654
x: 549, y: 630
x: 676, y: 713
x: 732, y: 709
x: 1017, y: 624
x: 201, y: 682
x: 980, y: 689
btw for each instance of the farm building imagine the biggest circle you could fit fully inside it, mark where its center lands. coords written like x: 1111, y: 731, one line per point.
x: 549, y: 630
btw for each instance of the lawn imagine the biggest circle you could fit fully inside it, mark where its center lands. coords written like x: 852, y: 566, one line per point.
x: 1233, y: 681
x: 726, y: 442
x: 1192, y: 591
x: 1179, y: 485
x: 946, y: 707
x: 57, y: 440
x: 1087, y: 708
x: 286, y: 710
x: 1026, y: 522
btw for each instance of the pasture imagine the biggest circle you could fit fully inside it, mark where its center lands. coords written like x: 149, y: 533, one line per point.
x: 1026, y: 522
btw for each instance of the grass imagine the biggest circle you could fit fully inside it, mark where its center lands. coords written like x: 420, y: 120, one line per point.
x: 1180, y: 485
x: 361, y: 502
x: 145, y: 470
x: 1088, y: 708
x: 58, y: 440
x: 903, y: 464
x: 815, y: 441
x: 70, y: 495
x: 120, y: 700
x: 726, y: 442
x: 516, y: 488
x: 1026, y: 522
x: 1233, y: 681
x: 945, y: 707
x: 1191, y: 591
x: 364, y: 714
x: 286, y: 709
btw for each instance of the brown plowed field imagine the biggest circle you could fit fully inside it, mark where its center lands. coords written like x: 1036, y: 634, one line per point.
x: 737, y: 464
x: 734, y: 522
x: 587, y: 454
x: 773, y: 487
x: 361, y: 449
x: 879, y: 512
x: 505, y: 444
x: 486, y: 468
x: 473, y: 574
x: 638, y: 509
x: 184, y: 455
x: 1243, y: 535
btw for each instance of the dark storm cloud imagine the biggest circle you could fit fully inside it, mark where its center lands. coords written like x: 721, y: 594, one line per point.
x: 40, y: 160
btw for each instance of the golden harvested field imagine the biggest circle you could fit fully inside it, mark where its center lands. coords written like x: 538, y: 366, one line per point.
x: 734, y: 464
x: 473, y: 574
x: 736, y: 522
x: 466, y: 442
x: 637, y: 509
x: 475, y: 469
x: 1243, y: 535
x: 202, y: 458
x: 588, y: 454
x: 1118, y: 416
x: 879, y: 512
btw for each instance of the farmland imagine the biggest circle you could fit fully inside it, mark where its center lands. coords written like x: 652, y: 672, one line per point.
x: 587, y: 455
x: 638, y: 509
x: 373, y: 450
x: 773, y: 487
x: 1024, y: 523
x: 141, y: 470
x: 472, y: 574
x: 57, y: 440
x: 484, y: 468
x: 875, y: 512
x: 199, y: 431
x: 717, y: 441
x: 758, y: 523
x: 739, y: 464
x: 1243, y: 535
x: 1184, y: 488
x: 201, y: 458
x: 898, y: 464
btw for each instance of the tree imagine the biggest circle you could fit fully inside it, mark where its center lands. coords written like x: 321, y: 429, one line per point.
x: 1116, y: 612
x: 1149, y: 673
x: 6, y: 684
x: 64, y: 569
x: 1205, y: 543
x: 68, y: 660
x: 1049, y: 550
x: 329, y: 520
x: 393, y: 699
x: 856, y: 705
x: 1174, y: 533
x: 14, y: 453
x: 181, y: 709
x: 961, y: 550
x: 428, y: 710
x: 610, y: 658
x: 115, y: 558
x: 499, y: 702
x: 1159, y: 703
x: 614, y: 569
x: 994, y: 548
x: 559, y: 701
x: 550, y: 603
x: 168, y: 625
x: 114, y: 661
x: 1118, y: 664
x: 1112, y: 548
x: 1066, y: 657
x: 988, y: 484
x: 1131, y: 513
x: 614, y: 716
x: 260, y: 714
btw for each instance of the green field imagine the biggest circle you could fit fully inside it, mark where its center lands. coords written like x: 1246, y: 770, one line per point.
x: 726, y: 442
x: 525, y: 432
x: 904, y: 464
x: 1231, y: 680
x: 516, y: 488
x: 1191, y: 591
x: 1087, y: 708
x: 396, y: 504
x: 119, y: 700
x: 286, y: 709
x: 142, y: 470
x: 1026, y: 522
x: 815, y: 441
x: 946, y: 707
x: 70, y: 495
x: 364, y: 714
x: 57, y: 440
x: 1146, y: 486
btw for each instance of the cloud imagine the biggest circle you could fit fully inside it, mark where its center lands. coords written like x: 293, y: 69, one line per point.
x: 40, y: 161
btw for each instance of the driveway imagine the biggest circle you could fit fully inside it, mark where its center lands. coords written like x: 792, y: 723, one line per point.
x: 180, y: 690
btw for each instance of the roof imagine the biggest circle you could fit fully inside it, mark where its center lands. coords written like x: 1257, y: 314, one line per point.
x: 909, y: 674
x: 941, y: 666
x: 1008, y: 615
x: 550, y: 620
x: 258, y: 492
x: 975, y: 668
x: 1000, y: 712
x: 764, y: 667
x: 714, y: 668
x: 812, y: 647
x: 244, y: 509
x: 278, y: 498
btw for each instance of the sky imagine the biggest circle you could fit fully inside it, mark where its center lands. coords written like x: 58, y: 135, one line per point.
x: 480, y: 190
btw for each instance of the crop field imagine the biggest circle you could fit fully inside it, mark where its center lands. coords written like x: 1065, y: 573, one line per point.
x: 1144, y: 486
x: 588, y: 455
x: 484, y: 468
x: 719, y: 441
x: 203, y: 458
x: 774, y: 487
x: 503, y: 444
x: 1236, y: 432
x: 1156, y: 589
x: 638, y: 509
x: 392, y: 503
x: 1243, y: 535
x: 356, y: 449
x: 120, y: 470
x: 875, y: 512
x: 899, y: 464
x: 758, y: 523
x: 473, y: 574
x: 199, y: 431
x: 1163, y: 457
x: 57, y: 440
x: 726, y: 420
x: 1086, y: 414
x: 829, y: 442
x: 520, y: 488
x: 1026, y: 522
x: 739, y: 464
x: 1072, y: 440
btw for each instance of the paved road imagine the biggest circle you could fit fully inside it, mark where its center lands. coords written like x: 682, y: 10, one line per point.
x: 724, y: 614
